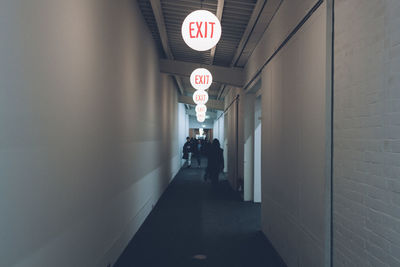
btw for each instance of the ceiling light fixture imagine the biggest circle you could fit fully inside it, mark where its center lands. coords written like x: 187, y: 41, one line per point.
x: 201, y: 108
x: 201, y: 30
x: 201, y: 79
x: 200, y: 97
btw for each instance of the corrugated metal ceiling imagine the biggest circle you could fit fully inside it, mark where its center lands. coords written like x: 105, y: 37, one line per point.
x: 235, y: 17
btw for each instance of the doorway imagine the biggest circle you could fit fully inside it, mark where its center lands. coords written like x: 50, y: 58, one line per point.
x: 252, y: 145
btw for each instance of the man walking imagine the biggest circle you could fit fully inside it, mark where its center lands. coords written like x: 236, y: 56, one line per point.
x: 187, y: 152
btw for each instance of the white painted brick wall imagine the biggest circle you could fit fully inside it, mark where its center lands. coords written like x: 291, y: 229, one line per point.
x: 367, y: 133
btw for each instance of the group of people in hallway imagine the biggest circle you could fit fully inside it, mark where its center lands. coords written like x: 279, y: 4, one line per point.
x: 194, y: 148
x: 213, y: 153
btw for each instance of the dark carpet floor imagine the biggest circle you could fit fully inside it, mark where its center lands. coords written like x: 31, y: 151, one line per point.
x: 194, y: 218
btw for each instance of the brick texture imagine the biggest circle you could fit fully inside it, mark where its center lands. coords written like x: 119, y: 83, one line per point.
x: 366, y: 192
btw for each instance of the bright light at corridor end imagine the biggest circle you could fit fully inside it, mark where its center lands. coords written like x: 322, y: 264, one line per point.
x: 201, y: 30
x: 201, y: 79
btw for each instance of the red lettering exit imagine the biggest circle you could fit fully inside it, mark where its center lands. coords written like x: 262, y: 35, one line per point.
x: 201, y: 29
x: 200, y: 98
x: 201, y: 79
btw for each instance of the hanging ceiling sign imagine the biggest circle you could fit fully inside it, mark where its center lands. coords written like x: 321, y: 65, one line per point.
x: 200, y: 114
x: 201, y: 117
x: 201, y: 79
x: 201, y: 108
x: 201, y: 30
x: 200, y: 97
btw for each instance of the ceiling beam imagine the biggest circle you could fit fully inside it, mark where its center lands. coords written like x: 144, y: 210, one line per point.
x: 179, y: 83
x: 211, y: 93
x: 220, y: 91
x: 211, y: 104
x: 220, y: 9
x: 225, y: 75
x: 159, y: 16
x: 246, y: 35
x: 250, y: 26
x: 264, y: 19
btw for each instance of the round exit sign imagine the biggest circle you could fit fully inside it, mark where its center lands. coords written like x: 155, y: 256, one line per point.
x: 201, y: 108
x: 201, y: 79
x: 201, y: 117
x: 201, y: 30
x: 200, y: 97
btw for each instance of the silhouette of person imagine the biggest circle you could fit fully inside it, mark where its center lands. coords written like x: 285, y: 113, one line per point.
x: 187, y: 152
x: 215, y: 161
x: 197, y: 152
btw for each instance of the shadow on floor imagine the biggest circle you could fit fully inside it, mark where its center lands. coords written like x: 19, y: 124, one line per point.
x: 194, y: 218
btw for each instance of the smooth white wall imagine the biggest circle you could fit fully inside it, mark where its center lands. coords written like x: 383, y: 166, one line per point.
x: 366, y: 174
x: 216, y: 132
x: 286, y: 18
x: 218, y: 129
x: 294, y: 146
x: 183, y: 129
x: 257, y: 150
x: 248, y: 161
x: 226, y: 142
x: 234, y: 131
x: 88, y: 130
x: 220, y: 134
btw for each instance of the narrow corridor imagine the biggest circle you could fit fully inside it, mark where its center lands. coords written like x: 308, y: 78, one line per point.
x: 194, y: 219
x: 100, y: 102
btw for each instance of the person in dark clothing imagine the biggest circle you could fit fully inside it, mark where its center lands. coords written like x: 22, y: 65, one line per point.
x: 187, y: 152
x: 203, y: 144
x: 197, y: 152
x: 215, y: 161
x: 206, y: 148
